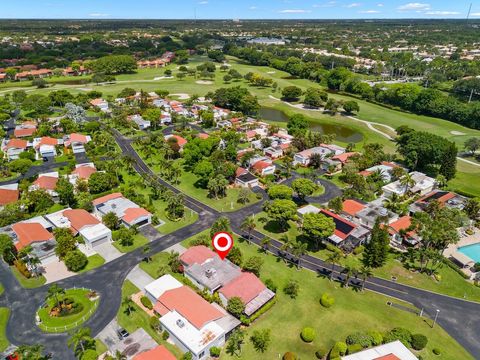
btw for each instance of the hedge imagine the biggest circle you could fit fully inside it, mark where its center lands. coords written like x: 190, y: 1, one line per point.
x: 308, y: 334
x: 215, y: 351
x: 22, y: 268
x: 454, y: 267
x: 353, y: 348
x: 327, y: 300
x: 419, y: 341
x: 399, y: 333
x: 339, y: 349
x: 146, y: 302
x: 247, y: 321
x: 360, y: 338
x: 289, y: 356
x: 377, y: 337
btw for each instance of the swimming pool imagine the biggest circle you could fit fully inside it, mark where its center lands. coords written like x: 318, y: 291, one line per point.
x: 472, y: 251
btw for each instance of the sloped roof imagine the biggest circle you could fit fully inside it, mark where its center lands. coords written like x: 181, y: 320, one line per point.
x: 46, y: 182
x: 104, y: 199
x: 84, y: 172
x: 79, y: 218
x: 21, y: 132
x: 131, y: 214
x: 246, y: 286
x: 17, y: 143
x: 196, y: 255
x: 352, y: 207
x: 8, y: 196
x: 28, y: 233
x: 158, y: 353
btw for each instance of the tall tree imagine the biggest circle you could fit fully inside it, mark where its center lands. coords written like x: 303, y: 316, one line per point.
x: 376, y: 250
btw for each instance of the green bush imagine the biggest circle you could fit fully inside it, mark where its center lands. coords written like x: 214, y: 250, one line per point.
x: 353, y: 348
x: 419, y: 341
x: 146, y: 302
x: 327, y: 300
x: 154, y: 323
x: 289, y: 356
x: 308, y: 334
x: 247, y: 321
x: 360, y: 338
x: 339, y: 349
x: 215, y: 351
x: 377, y: 338
x: 320, y: 353
x: 89, y: 354
x: 165, y: 335
x: 358, y: 250
x: 75, y: 260
x: 22, y: 268
x: 399, y: 333
x: 436, y: 351
x: 271, y: 285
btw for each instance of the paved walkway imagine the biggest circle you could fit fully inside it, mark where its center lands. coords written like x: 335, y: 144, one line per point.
x: 139, y: 278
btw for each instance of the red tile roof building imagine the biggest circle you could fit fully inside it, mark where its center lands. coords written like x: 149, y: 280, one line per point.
x: 352, y: 207
x: 84, y: 172
x: 46, y: 182
x: 196, y: 255
x: 158, y: 353
x: 247, y: 287
x: 29, y: 233
x: 8, y: 196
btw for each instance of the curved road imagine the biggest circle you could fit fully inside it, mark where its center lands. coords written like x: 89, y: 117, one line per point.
x: 458, y: 317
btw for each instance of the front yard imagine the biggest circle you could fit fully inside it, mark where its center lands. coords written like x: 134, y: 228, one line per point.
x: 31, y: 283
x: 94, y: 261
x: 138, y: 241
x: 4, y: 314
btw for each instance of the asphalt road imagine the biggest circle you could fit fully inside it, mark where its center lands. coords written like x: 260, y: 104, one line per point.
x: 458, y: 317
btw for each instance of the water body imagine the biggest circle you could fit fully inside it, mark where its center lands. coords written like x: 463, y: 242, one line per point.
x: 342, y: 133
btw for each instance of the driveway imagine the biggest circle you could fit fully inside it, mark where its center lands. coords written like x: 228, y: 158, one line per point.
x: 108, y: 251
x: 139, y: 341
x: 139, y: 278
x: 109, y: 334
x: 56, y: 270
x: 150, y: 232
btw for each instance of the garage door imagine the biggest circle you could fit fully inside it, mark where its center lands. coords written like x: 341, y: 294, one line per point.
x: 143, y: 222
x: 101, y: 241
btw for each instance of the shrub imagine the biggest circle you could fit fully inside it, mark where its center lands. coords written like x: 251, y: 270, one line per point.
x: 327, y: 300
x: 165, y: 335
x: 289, y: 356
x: 358, y: 250
x: 436, y: 351
x: 362, y: 339
x: 398, y: 333
x: 154, y: 323
x: 339, y: 349
x: 308, y: 334
x: 215, y: 351
x: 291, y: 288
x: 75, y: 260
x: 89, y: 354
x: 320, y: 353
x: 22, y: 268
x: 476, y: 267
x: 353, y: 348
x: 146, y: 302
x: 271, y: 285
x: 377, y: 338
x: 419, y: 341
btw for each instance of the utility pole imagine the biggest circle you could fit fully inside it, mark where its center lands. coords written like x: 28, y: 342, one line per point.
x: 470, y: 98
x: 435, y: 320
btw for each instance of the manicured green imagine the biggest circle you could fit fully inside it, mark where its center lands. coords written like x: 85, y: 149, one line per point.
x: 138, y: 241
x: 94, y: 261
x: 140, y: 319
x: 63, y: 323
x: 4, y: 314
x: 31, y: 283
x: 100, y: 347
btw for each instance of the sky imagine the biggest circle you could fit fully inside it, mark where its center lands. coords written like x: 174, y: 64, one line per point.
x: 241, y: 9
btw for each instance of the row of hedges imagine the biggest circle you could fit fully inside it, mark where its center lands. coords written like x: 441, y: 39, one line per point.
x: 247, y: 321
x: 454, y: 267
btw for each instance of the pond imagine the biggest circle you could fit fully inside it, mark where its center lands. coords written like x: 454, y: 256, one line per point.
x: 342, y: 133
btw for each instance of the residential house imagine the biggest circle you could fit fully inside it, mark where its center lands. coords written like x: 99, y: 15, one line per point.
x: 347, y: 234
x: 100, y: 103
x: 151, y: 64
x: 307, y: 209
x: 82, y: 171
x: 303, y: 157
x: 422, y: 184
x: 25, y: 129
x: 8, y: 194
x: 82, y: 223
x: 244, y: 178
x: 444, y: 198
x: 158, y: 353
x: 273, y: 152
x: 194, y: 325
x: 69, y: 71
x: 180, y: 140
x: 47, y: 182
x: 126, y: 210
x: 206, y: 270
x: 45, y: 147
x: 140, y: 121
x: 77, y: 142
x: 385, y: 168
x: 372, y: 211
x: 35, y: 233
x: 27, y: 75
x: 3, y: 77
x: 263, y: 168
x: 250, y: 289
x: 351, y: 207
x: 339, y: 161
x: 391, y: 351
x: 13, y: 148
x: 400, y: 232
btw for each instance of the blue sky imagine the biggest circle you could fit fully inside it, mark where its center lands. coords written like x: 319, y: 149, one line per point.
x: 243, y: 9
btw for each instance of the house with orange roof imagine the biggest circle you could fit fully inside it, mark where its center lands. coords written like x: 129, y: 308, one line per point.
x: 400, y: 232
x: 126, y: 210
x: 194, y: 325
x: 263, y: 168
x: 47, y: 182
x: 390, y: 351
x: 45, y: 147
x: 385, y: 168
x: 158, y: 353
x: 82, y: 171
x: 444, y: 198
x: 8, y: 194
x: 76, y: 142
x: 3, y: 77
x: 100, y: 103
x: 13, y: 148
x: 347, y: 234
x: 69, y: 71
x: 35, y: 233
x: 351, y: 208
x: 25, y: 129
x: 180, y: 140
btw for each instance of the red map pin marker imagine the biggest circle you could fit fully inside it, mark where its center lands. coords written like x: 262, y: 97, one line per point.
x: 222, y: 242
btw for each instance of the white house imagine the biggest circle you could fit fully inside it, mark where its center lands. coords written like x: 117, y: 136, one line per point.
x: 13, y: 148
x: 45, y: 147
x: 77, y: 142
x: 100, y: 103
x: 47, y: 182
x: 391, y: 351
x: 140, y: 121
x: 422, y: 184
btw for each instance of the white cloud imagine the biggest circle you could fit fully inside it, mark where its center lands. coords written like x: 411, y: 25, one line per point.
x: 352, y: 5
x: 369, y: 12
x: 294, y: 11
x: 380, y: 5
x: 475, y: 14
x: 252, y: 8
x: 442, y: 13
x: 414, y: 7
x: 203, y: 2
x: 98, y: 15
x: 325, y: 5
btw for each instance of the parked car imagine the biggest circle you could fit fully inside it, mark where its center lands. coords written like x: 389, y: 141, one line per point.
x: 122, y: 333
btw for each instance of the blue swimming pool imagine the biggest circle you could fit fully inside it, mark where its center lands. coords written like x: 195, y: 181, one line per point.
x: 472, y: 251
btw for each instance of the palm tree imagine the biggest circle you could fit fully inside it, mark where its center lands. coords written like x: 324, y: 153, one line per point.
x: 333, y: 258
x: 55, y: 291
x: 146, y: 249
x: 248, y: 225
x: 162, y: 270
x: 286, y: 245
x: 365, y: 272
x: 298, y: 250
x: 174, y: 261
x: 407, y: 181
x: 78, y: 338
x: 120, y: 356
x: 128, y: 303
x: 266, y: 241
x: 349, y: 271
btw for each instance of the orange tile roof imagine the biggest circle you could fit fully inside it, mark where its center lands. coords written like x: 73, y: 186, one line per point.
x: 203, y: 136
x: 246, y: 286
x: 96, y: 102
x: 46, y: 182
x: 240, y: 171
x: 24, y: 132
x: 8, y: 196
x: 79, y: 218
x: 190, y: 305
x: 84, y: 172
x: 343, y: 158
x: 132, y: 214
x: 261, y: 165
x: 158, y: 353
x: 17, y: 143
x: 77, y: 138
x: 104, y: 199
x: 46, y: 140
x: 28, y: 233
x: 180, y: 140
x: 352, y: 207
x: 196, y: 255
x: 388, y: 357
x: 402, y: 223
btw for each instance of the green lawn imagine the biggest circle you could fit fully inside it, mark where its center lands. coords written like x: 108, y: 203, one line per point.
x: 31, y: 283
x: 467, y: 180
x: 138, y: 241
x: 152, y: 267
x: 94, y: 261
x: 139, y: 319
x: 100, y: 347
x: 4, y: 314
x: 58, y: 324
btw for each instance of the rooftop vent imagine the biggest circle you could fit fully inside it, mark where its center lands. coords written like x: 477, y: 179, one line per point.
x: 210, y: 273
x: 180, y: 323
